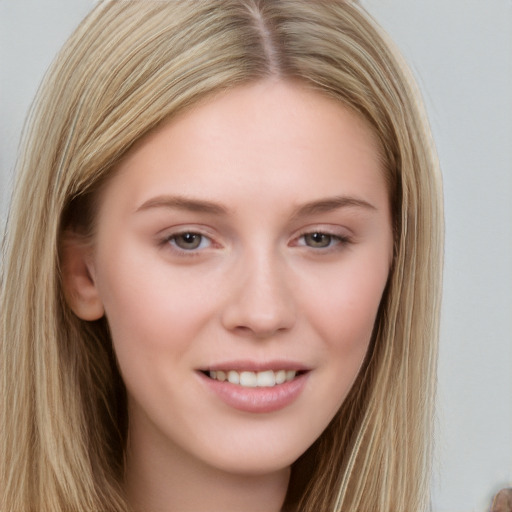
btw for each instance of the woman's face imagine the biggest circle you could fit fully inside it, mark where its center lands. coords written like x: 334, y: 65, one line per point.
x: 248, y: 239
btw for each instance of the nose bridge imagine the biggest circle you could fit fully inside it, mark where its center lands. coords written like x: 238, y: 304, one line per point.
x: 261, y: 302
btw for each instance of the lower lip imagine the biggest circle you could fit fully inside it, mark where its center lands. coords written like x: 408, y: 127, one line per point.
x: 257, y: 400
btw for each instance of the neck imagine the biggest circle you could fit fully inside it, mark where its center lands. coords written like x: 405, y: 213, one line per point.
x: 159, y: 481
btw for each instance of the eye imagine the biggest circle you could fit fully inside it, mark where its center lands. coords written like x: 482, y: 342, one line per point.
x: 320, y: 240
x: 189, y: 241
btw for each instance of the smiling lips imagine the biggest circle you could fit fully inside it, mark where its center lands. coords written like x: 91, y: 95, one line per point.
x: 251, y: 391
x: 249, y: 379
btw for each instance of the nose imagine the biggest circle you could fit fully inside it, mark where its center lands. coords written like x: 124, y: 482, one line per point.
x: 260, y: 302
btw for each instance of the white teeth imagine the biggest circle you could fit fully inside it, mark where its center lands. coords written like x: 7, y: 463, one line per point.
x: 234, y: 377
x: 290, y: 374
x: 280, y: 376
x: 265, y: 379
x: 248, y: 379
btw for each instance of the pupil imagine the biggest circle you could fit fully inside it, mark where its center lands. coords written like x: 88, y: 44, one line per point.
x: 318, y: 239
x: 189, y: 240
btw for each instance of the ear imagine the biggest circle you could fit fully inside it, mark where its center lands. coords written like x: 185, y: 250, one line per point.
x: 78, y: 278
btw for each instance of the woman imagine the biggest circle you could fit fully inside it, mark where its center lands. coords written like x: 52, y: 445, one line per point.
x: 229, y: 216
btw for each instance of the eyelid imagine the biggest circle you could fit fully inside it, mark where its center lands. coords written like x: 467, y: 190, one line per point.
x: 165, y: 237
x: 173, y: 240
x: 327, y: 229
x: 343, y: 235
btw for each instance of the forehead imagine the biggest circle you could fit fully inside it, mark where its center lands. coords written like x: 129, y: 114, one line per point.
x: 273, y: 136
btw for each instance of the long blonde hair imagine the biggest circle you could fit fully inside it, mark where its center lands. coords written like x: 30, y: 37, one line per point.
x: 129, y: 66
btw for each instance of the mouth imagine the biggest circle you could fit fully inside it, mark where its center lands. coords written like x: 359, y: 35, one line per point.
x: 253, y: 379
x: 256, y: 387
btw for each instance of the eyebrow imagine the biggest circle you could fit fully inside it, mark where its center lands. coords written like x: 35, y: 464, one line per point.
x: 183, y: 203
x: 204, y: 206
x: 330, y: 204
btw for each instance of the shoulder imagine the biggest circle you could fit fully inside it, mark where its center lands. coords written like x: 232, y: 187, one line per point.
x: 502, y: 502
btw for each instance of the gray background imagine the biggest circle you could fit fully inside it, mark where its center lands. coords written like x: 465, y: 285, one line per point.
x: 461, y: 54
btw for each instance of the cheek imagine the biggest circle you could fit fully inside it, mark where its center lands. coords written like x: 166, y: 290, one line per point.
x: 344, y: 316
x: 345, y: 309
x: 149, y: 310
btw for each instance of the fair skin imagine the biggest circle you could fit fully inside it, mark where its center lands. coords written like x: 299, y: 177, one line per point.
x: 251, y: 234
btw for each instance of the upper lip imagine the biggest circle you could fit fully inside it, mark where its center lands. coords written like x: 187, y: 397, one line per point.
x: 256, y: 366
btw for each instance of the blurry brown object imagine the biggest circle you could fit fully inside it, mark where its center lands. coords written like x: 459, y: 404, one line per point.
x: 502, y: 501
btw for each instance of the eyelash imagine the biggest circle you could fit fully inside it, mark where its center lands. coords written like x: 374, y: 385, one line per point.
x: 335, y: 242
x: 171, y: 240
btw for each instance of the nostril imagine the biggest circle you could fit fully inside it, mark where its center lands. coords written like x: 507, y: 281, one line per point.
x: 260, y: 304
